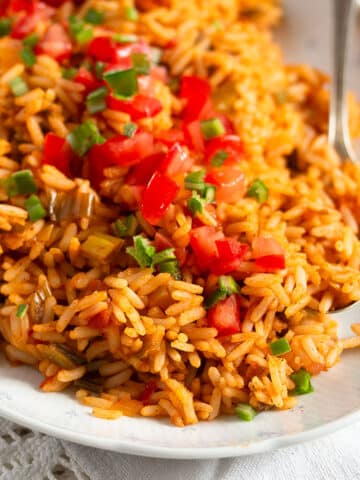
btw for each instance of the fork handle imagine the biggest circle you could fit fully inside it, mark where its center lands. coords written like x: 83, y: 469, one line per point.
x: 339, y: 135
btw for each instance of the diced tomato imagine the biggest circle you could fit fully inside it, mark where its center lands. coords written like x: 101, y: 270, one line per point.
x: 225, y: 316
x: 88, y: 79
x: 169, y: 137
x: 97, y: 162
x: 193, y: 136
x: 231, y: 253
x: 177, y: 160
x: 161, y: 242
x: 230, y: 183
x: 124, y: 151
x: 100, y: 320
x: 27, y: 6
x: 4, y: 5
x: 103, y: 49
x: 159, y: 73
x: 181, y: 255
x: 231, y: 144
x: 26, y: 24
x: 196, y: 91
x: 126, y: 50
x: 57, y: 152
x: 157, y: 197
x: 229, y: 127
x: 138, y: 107
x: 171, y: 43
x: 203, y: 243
x: 56, y: 43
x: 120, y: 64
x: 268, y: 254
x: 141, y: 173
x: 146, y: 394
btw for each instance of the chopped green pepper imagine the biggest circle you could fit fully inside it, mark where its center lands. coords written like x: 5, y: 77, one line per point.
x: 280, y: 347
x: 212, y: 128
x: 131, y: 14
x: 99, y: 70
x: 195, y: 203
x: 129, y: 129
x: 219, y: 158
x: 35, y: 208
x: 164, y: 256
x: 20, y: 183
x: 83, y: 137
x: 31, y: 40
x: 245, y: 412
x: 125, y: 38
x: 69, y: 73
x: 18, y: 86
x: 5, y: 26
x: 258, y: 190
x: 226, y: 287
x: 140, y: 63
x: 94, y: 16
x: 302, y: 380
x: 96, y: 100
x: 171, y: 267
x: 28, y: 56
x: 123, y: 82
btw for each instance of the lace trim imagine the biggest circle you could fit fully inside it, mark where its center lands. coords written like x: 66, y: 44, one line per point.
x: 28, y: 455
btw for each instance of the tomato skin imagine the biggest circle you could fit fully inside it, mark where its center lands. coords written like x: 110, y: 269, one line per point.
x: 124, y: 151
x: 57, y: 152
x: 231, y: 254
x: 138, y: 107
x: 143, y: 171
x: 26, y: 24
x: 193, y: 136
x: 177, y: 160
x: 225, y: 316
x: 196, y: 92
x: 231, y: 144
x: 88, y: 79
x: 56, y: 43
x: 97, y: 162
x: 169, y: 137
x: 268, y: 253
x: 157, y: 197
x: 150, y: 388
x: 203, y: 242
x: 100, y: 320
x: 230, y: 183
x: 18, y: 5
x: 102, y: 49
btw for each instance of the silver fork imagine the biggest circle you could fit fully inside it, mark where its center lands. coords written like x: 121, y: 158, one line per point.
x: 339, y: 135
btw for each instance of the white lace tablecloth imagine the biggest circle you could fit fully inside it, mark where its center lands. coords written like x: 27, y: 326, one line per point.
x: 25, y: 455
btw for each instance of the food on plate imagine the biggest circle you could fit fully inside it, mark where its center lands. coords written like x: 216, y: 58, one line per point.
x: 174, y: 227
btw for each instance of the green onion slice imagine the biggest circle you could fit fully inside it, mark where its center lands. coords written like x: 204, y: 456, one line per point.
x: 96, y: 100
x: 83, y: 137
x: 141, y: 63
x: 31, y: 40
x: 219, y: 158
x: 28, y: 56
x: 79, y: 31
x: 94, y: 16
x: 35, y: 208
x: 129, y: 129
x: 99, y: 70
x: 131, y: 14
x: 18, y: 86
x: 69, y: 73
x: 171, y: 267
x: 126, y: 227
x: 212, y: 128
x: 123, y: 82
x: 258, y: 190
x: 5, y: 27
x: 20, y: 183
x: 280, y: 347
x: 195, y: 181
x: 245, y: 412
x: 21, y: 310
x: 195, y: 203
x: 142, y: 251
x: 125, y: 38
x: 226, y: 286
x: 164, y: 256
x: 302, y: 380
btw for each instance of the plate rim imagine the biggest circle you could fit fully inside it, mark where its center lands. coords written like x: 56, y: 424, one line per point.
x: 180, y: 453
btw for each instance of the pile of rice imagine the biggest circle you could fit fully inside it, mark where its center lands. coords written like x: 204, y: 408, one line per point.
x: 159, y: 331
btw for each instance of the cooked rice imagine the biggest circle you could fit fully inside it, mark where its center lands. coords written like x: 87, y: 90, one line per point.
x: 158, y: 330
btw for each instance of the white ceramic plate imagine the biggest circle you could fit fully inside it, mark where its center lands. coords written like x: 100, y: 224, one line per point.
x: 335, y: 403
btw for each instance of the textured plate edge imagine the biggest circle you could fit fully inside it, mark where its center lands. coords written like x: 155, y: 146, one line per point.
x: 119, y: 446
